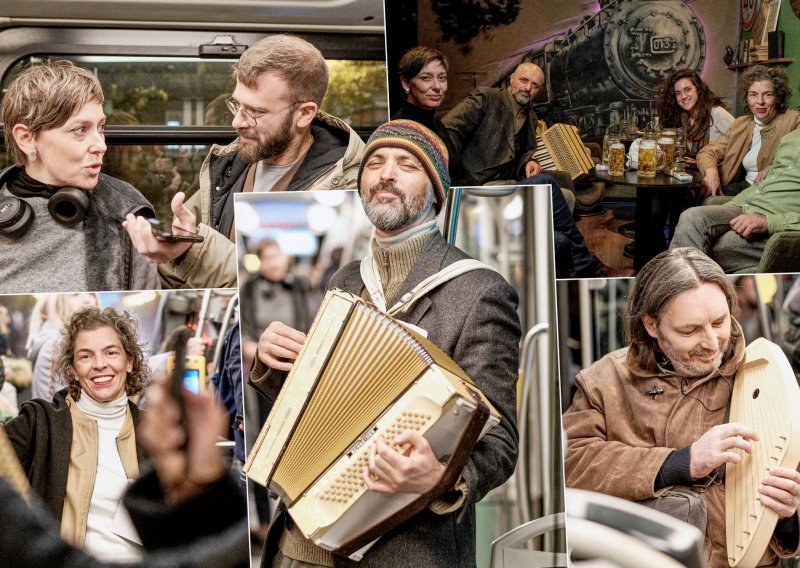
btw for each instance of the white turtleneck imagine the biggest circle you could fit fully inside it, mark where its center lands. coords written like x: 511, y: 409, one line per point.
x: 106, y: 512
x: 750, y: 161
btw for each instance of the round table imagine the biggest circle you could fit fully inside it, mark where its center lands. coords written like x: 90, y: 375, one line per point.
x: 666, y: 189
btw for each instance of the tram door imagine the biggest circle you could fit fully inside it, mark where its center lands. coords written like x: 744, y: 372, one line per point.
x: 510, y: 229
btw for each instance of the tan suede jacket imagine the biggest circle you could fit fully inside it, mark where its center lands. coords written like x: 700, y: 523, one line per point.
x: 83, y: 469
x: 728, y: 151
x: 619, y: 436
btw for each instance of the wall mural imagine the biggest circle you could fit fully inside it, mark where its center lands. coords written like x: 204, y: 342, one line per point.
x: 611, y: 65
x: 463, y: 20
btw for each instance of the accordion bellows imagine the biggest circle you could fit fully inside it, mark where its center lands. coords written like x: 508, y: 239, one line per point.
x: 561, y: 148
x: 360, y: 375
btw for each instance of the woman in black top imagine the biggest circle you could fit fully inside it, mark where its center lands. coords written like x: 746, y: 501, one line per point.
x: 423, y: 74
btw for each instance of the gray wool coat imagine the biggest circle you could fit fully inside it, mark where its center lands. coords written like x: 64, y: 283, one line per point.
x: 473, y: 318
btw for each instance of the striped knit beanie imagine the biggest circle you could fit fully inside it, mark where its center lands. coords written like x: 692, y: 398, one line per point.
x: 426, y: 146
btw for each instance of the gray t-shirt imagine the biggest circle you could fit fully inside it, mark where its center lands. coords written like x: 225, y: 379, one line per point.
x: 267, y: 176
x: 49, y: 257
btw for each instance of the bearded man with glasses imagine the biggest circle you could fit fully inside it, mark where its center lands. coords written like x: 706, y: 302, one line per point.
x: 285, y: 143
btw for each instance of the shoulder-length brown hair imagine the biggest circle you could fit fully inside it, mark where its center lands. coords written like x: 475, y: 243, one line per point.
x: 774, y: 74
x: 124, y: 325
x: 664, y: 277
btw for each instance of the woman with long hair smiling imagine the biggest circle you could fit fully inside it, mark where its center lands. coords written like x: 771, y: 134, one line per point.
x: 686, y: 101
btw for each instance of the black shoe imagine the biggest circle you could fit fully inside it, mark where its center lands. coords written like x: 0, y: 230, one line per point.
x: 627, y: 230
x: 599, y: 270
x: 628, y: 250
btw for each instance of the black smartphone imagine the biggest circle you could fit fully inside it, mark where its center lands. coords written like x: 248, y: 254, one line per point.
x: 160, y: 232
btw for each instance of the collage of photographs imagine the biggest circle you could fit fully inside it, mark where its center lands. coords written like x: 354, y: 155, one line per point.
x: 400, y: 283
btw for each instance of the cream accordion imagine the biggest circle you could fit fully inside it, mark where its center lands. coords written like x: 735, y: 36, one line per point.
x: 561, y: 148
x: 766, y: 398
x: 361, y: 374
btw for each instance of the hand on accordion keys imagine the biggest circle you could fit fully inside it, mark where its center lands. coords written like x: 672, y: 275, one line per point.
x: 414, y: 470
x: 280, y: 345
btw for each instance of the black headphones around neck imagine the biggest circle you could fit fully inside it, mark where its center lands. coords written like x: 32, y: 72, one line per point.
x: 67, y: 206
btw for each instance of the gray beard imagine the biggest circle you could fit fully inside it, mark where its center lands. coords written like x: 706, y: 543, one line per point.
x: 521, y: 99
x: 388, y: 217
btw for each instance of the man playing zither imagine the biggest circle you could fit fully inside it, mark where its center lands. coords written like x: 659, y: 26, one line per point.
x: 648, y: 419
x: 403, y: 180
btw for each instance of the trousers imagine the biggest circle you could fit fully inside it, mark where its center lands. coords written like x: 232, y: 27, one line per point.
x: 708, y: 228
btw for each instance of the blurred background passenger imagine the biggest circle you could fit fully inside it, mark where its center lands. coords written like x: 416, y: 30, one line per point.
x: 49, y: 315
x: 272, y: 293
x: 79, y: 450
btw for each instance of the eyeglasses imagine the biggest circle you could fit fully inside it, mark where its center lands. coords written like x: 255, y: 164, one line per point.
x: 234, y: 106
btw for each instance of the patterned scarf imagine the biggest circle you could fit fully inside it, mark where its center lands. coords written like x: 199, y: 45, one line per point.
x: 696, y: 134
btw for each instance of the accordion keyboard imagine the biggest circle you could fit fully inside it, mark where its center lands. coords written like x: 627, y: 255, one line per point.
x: 349, y: 483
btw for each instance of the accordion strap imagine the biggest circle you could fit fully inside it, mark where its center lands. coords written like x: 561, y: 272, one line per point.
x: 372, y: 281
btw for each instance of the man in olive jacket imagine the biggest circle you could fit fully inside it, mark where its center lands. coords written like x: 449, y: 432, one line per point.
x: 472, y: 318
x: 650, y: 417
x: 285, y: 143
x: 494, y: 129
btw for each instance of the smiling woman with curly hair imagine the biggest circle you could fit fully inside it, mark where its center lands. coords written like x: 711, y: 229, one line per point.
x: 80, y: 449
x: 70, y: 361
x: 742, y: 155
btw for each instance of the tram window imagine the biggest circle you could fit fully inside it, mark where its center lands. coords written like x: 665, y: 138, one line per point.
x: 156, y: 94
x: 185, y: 91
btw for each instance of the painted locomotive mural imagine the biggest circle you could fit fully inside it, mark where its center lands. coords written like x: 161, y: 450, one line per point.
x: 611, y: 65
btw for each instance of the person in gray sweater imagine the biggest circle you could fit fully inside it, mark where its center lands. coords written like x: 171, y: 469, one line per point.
x: 60, y: 218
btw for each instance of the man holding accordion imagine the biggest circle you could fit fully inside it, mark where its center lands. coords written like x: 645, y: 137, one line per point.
x: 472, y: 317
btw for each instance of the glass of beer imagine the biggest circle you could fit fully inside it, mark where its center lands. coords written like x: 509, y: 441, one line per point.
x: 667, y: 145
x: 648, y: 155
x: 680, y: 142
x: 616, y: 159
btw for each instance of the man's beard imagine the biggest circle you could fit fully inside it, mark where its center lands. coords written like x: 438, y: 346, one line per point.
x: 685, y: 365
x: 274, y: 146
x: 391, y: 216
x: 521, y: 97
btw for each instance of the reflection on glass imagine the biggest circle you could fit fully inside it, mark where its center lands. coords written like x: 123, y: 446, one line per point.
x: 191, y: 91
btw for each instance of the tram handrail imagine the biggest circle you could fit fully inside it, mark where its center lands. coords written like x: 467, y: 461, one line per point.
x: 526, y: 368
x: 224, y: 329
x: 523, y: 534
